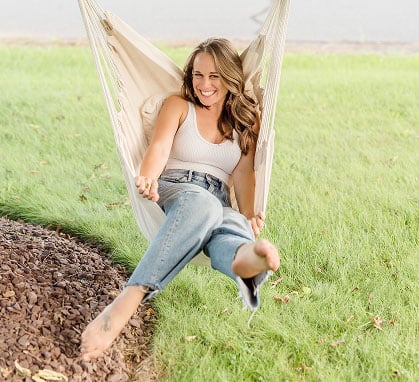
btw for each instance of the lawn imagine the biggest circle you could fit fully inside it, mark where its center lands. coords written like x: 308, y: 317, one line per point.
x: 343, y: 209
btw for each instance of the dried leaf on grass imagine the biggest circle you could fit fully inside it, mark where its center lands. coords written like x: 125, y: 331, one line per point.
x: 190, y: 338
x: 376, y: 323
x: 337, y: 343
x: 286, y: 299
x: 276, y: 282
x: 304, y: 368
x: 113, y: 205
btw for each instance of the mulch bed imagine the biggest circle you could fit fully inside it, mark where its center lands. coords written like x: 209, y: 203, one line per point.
x: 51, y: 287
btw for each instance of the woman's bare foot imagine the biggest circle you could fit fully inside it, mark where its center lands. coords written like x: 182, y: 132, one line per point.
x: 100, y: 333
x: 254, y: 258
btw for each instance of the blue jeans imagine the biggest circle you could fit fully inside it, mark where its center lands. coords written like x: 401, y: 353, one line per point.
x: 199, y: 218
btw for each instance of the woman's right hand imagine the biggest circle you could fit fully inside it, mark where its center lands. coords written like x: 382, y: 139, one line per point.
x: 147, y: 187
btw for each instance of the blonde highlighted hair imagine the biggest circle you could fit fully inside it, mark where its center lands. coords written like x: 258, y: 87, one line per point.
x: 240, y: 111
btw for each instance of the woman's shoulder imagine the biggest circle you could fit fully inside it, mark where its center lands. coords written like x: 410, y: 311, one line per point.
x: 176, y: 101
x: 175, y: 106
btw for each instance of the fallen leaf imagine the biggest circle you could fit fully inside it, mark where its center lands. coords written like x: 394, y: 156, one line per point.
x: 225, y: 310
x: 276, y: 282
x: 286, y: 299
x: 43, y: 163
x: 22, y: 370
x: 50, y: 375
x: 113, y: 205
x: 101, y: 166
x: 350, y: 318
x: 376, y: 322
x: 336, y: 343
x: 58, y: 318
x: 35, y: 172
x: 114, y: 293
x: 392, y: 322
x: 9, y: 293
x: 190, y: 338
x: 5, y: 372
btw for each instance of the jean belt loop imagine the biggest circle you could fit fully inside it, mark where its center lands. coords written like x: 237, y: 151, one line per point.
x: 190, y: 175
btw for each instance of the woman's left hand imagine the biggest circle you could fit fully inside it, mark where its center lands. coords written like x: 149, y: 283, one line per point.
x: 257, y: 223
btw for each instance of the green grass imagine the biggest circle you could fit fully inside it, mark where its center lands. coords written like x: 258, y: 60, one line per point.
x: 343, y: 209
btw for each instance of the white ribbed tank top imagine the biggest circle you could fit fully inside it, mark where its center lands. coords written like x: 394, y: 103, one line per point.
x: 191, y: 151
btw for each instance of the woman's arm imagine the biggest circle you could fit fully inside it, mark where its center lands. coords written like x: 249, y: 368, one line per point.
x: 244, y: 181
x: 172, y: 114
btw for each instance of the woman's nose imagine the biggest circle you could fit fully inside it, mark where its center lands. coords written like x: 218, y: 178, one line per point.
x: 206, y: 81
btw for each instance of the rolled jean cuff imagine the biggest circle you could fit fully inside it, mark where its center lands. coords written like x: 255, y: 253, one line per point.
x: 152, y: 290
x: 249, y: 289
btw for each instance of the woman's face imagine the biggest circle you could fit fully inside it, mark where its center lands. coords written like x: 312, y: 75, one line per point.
x: 207, y: 83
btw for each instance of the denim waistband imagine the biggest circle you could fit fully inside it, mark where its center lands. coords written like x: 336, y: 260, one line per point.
x: 207, y: 181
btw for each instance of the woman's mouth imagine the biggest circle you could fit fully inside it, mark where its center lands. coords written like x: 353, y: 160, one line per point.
x: 207, y: 93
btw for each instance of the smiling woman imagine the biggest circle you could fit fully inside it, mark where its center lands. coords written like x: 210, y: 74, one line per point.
x: 184, y: 178
x: 216, y: 103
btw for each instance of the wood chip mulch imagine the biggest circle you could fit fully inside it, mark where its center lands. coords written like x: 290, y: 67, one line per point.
x: 51, y: 287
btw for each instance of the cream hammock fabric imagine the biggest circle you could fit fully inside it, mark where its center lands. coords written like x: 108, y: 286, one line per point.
x: 136, y: 77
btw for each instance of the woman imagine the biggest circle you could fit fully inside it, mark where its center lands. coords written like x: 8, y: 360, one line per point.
x: 203, y: 140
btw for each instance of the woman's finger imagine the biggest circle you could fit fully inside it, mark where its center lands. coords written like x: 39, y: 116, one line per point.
x: 261, y: 215
x: 153, y: 194
x: 260, y: 222
x: 254, y: 226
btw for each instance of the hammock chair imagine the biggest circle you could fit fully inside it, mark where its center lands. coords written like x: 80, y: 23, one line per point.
x: 136, y: 78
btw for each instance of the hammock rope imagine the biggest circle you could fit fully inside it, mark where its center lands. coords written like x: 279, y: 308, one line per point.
x: 136, y: 77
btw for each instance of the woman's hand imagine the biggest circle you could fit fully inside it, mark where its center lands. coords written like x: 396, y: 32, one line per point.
x: 147, y: 187
x: 257, y: 222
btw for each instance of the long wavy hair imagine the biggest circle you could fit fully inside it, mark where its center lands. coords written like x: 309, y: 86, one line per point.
x: 240, y: 111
